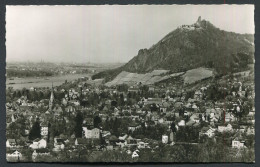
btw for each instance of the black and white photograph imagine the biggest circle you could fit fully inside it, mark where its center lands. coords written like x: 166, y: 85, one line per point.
x: 130, y: 83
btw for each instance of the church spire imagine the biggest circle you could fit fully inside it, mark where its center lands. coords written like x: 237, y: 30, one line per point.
x: 51, y: 98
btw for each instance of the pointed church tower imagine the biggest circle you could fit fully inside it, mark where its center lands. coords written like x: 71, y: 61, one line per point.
x: 51, y: 99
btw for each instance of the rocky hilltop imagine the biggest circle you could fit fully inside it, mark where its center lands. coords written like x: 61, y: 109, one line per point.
x: 191, y: 46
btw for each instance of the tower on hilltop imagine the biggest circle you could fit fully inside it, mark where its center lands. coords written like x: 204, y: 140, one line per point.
x: 199, y: 19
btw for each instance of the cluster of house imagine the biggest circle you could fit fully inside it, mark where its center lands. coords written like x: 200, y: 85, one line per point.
x: 192, y: 112
x: 90, y: 137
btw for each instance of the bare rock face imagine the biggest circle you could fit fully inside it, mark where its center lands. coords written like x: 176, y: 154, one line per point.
x: 142, y: 51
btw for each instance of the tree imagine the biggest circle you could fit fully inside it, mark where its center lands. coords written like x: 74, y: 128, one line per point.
x: 114, y: 156
x: 13, y: 130
x: 187, y: 118
x: 153, y: 107
x: 200, y: 117
x: 78, y: 126
x: 84, y: 103
x: 121, y: 100
x: 97, y: 121
x: 18, y: 94
x: 173, y: 127
x: 122, y: 88
x: 113, y: 103
x: 208, y: 118
x: 48, y: 137
x: 21, y: 125
x: 189, y: 94
x: 35, y: 132
x: 116, y: 125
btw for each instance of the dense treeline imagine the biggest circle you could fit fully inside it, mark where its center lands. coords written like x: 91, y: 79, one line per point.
x: 12, y: 95
x: 145, y: 132
x: 28, y: 73
x: 116, y: 126
x: 209, y: 151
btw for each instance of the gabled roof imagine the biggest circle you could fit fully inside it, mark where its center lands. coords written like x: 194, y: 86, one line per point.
x: 135, y: 154
x: 123, y: 137
x: 191, y: 100
x: 42, y: 150
x: 205, y: 129
x: 177, y: 104
x: 165, y: 104
x: 196, y: 115
x: 132, y: 141
x: 37, y: 140
x: 229, y: 115
x: 89, y: 121
x: 239, y: 138
x: 11, y: 140
x: 70, y: 109
x: 59, y: 140
x: 133, y: 125
x: 113, y: 138
x: 198, y: 92
x: 82, y: 141
x: 130, y: 138
x: 196, y: 124
x: 194, y: 106
x: 16, y: 152
x: 210, y: 110
x: 190, y: 123
x: 44, y: 124
x: 57, y: 108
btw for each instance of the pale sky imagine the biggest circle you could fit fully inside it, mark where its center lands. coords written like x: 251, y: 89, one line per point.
x: 106, y: 34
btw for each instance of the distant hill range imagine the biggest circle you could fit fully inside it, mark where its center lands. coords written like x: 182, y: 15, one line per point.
x: 192, y: 46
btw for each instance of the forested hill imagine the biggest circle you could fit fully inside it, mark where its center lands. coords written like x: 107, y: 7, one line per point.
x: 191, y: 46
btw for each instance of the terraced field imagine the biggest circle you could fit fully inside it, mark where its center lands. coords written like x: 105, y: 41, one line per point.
x: 146, y: 79
x: 197, y: 74
x: 156, y: 76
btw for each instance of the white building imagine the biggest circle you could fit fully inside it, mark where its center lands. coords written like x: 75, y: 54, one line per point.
x: 225, y: 128
x: 208, y: 131
x: 181, y: 123
x: 237, y: 143
x: 91, y: 133
x: 135, y: 154
x: 10, y: 143
x: 229, y: 117
x: 59, y: 144
x: 15, y: 155
x: 44, y: 129
x: 41, y: 152
x: 141, y: 145
x: 38, y: 143
x: 133, y: 127
x: 165, y: 139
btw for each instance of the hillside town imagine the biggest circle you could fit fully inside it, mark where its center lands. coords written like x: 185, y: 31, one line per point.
x: 130, y: 84
x: 210, y: 120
